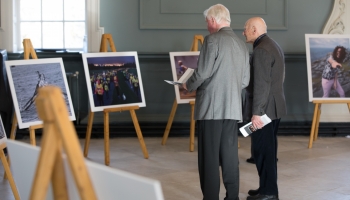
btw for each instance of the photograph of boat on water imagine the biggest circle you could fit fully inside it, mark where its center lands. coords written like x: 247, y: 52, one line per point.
x: 26, y: 77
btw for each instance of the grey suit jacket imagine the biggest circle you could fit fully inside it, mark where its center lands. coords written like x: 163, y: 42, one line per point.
x: 265, y: 93
x: 222, y: 73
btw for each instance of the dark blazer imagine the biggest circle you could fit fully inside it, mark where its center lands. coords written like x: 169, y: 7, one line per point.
x: 265, y: 93
x: 222, y: 73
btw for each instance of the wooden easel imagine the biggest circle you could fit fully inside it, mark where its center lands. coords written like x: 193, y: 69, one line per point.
x: 317, y: 114
x: 196, y: 38
x: 194, y: 47
x: 28, y: 50
x: 103, y: 48
x: 107, y: 37
x: 8, y: 173
x: 58, y: 135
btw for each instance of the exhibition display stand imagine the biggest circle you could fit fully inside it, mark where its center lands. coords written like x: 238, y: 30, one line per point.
x: 194, y: 47
x: 103, y: 48
x: 28, y: 50
x: 317, y: 114
x: 58, y: 136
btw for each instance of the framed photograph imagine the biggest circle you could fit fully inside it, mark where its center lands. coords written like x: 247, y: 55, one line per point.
x: 180, y: 61
x: 3, y: 137
x: 113, y: 80
x: 328, y: 66
x: 26, y: 77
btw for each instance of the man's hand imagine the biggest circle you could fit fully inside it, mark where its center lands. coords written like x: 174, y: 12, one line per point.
x: 184, y: 86
x: 256, y: 121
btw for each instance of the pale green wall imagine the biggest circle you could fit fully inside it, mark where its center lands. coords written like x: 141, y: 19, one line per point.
x: 121, y: 19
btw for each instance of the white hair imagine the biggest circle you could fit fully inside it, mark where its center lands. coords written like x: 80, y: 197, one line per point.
x: 218, y: 12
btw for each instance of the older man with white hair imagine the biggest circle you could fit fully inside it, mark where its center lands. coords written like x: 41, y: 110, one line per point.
x: 222, y: 73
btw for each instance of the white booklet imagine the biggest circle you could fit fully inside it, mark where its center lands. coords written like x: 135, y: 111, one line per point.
x: 183, y: 78
x: 249, y: 128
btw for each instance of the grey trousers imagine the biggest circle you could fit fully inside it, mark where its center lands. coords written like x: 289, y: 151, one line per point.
x: 218, y: 145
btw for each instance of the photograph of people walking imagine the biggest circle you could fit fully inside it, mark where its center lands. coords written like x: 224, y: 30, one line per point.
x: 113, y: 80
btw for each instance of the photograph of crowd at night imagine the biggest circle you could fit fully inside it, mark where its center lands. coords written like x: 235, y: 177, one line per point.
x: 113, y: 80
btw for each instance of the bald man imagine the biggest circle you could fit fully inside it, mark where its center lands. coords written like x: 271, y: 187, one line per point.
x: 264, y: 95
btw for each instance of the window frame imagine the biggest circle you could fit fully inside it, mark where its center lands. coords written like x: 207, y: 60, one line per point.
x: 42, y: 21
x: 9, y: 27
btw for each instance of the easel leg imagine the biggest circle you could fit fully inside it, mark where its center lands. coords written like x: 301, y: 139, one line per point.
x: 58, y: 130
x: 317, y: 122
x: 139, y: 134
x: 59, y: 185
x: 88, y: 133
x: 12, y: 137
x: 13, y: 127
x: 106, y: 136
x: 192, y: 127
x: 8, y: 162
x: 313, y: 126
x: 170, y: 121
x: 32, y: 136
x: 9, y: 175
x: 46, y: 163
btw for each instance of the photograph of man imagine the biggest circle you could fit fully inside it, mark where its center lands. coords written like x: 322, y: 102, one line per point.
x: 183, y: 63
x: 182, y: 68
x: 99, y: 92
x: 222, y: 73
x: 264, y: 95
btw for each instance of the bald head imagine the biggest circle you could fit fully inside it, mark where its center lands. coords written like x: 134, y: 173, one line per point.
x: 254, y: 27
x: 258, y: 23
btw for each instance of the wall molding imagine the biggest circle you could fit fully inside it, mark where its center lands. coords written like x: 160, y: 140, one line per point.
x: 252, y: 7
x: 152, y: 17
x: 338, y: 21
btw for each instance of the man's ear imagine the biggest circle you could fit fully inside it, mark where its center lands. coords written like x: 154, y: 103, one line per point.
x: 254, y: 29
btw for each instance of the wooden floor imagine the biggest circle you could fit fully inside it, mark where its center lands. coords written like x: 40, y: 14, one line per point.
x: 322, y: 172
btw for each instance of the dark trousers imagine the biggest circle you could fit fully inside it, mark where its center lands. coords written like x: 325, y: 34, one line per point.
x: 218, y: 145
x: 265, y: 152
x: 251, y: 148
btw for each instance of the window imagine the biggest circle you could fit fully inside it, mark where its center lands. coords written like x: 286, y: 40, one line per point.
x: 52, y: 24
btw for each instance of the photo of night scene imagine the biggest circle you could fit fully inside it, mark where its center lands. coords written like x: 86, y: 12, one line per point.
x: 113, y: 80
